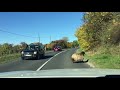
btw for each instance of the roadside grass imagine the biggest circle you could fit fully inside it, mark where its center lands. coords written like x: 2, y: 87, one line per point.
x: 9, y: 58
x: 105, y: 58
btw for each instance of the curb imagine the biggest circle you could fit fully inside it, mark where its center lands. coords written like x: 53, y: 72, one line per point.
x: 90, y: 64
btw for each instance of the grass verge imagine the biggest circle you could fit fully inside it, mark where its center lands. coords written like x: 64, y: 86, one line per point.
x: 9, y: 58
x: 101, y: 59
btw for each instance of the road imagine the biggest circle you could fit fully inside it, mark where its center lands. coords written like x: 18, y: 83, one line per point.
x: 52, y: 60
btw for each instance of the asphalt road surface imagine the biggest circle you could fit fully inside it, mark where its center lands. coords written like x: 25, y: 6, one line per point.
x: 52, y: 60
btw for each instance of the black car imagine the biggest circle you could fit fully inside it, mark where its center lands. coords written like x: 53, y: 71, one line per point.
x: 33, y: 51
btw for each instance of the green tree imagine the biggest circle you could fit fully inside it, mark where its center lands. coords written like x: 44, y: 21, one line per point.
x: 75, y: 43
x: 65, y: 39
x: 23, y: 45
x: 16, y: 49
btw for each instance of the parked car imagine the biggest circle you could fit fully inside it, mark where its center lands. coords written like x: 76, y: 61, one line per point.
x: 33, y: 51
x: 57, y: 48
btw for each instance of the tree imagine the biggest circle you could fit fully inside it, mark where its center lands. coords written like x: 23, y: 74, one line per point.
x: 61, y: 43
x: 69, y: 44
x: 23, y: 45
x: 65, y: 39
x: 82, y: 38
x: 99, y: 29
x: 7, y: 48
x: 16, y: 49
x: 75, y: 43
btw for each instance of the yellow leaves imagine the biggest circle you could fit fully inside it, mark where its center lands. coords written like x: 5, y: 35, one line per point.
x: 83, y: 43
x: 113, y: 20
x: 82, y: 37
x: 99, y: 28
x: 87, y: 12
x: 108, y: 38
x: 69, y: 45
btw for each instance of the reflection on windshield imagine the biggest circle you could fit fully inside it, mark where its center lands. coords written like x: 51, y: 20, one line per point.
x: 31, y: 47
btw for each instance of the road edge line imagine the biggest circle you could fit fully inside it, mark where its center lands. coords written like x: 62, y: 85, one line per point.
x: 48, y: 61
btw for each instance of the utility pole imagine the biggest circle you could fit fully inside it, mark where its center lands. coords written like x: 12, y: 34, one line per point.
x: 50, y: 39
x: 50, y: 42
x: 39, y: 37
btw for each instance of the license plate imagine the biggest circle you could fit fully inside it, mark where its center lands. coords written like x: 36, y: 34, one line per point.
x: 28, y: 55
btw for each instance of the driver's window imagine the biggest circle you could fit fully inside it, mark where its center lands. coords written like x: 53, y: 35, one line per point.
x: 40, y: 47
x: 37, y: 47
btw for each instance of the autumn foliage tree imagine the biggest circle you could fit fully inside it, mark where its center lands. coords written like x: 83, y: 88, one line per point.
x: 62, y: 42
x: 99, y: 29
x: 6, y: 49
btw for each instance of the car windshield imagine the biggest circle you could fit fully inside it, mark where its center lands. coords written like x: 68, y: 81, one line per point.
x: 32, y: 47
x: 58, y: 47
x: 38, y: 41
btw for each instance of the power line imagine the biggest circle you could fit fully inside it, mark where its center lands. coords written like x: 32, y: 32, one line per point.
x: 17, y: 34
x: 30, y: 36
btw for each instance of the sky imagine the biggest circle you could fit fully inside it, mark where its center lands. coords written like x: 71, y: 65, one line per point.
x: 45, y: 24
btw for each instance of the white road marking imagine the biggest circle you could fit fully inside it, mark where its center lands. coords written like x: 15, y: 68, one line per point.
x: 48, y: 61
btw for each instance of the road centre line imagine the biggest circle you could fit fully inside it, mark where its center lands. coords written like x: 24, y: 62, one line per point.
x: 49, y: 60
